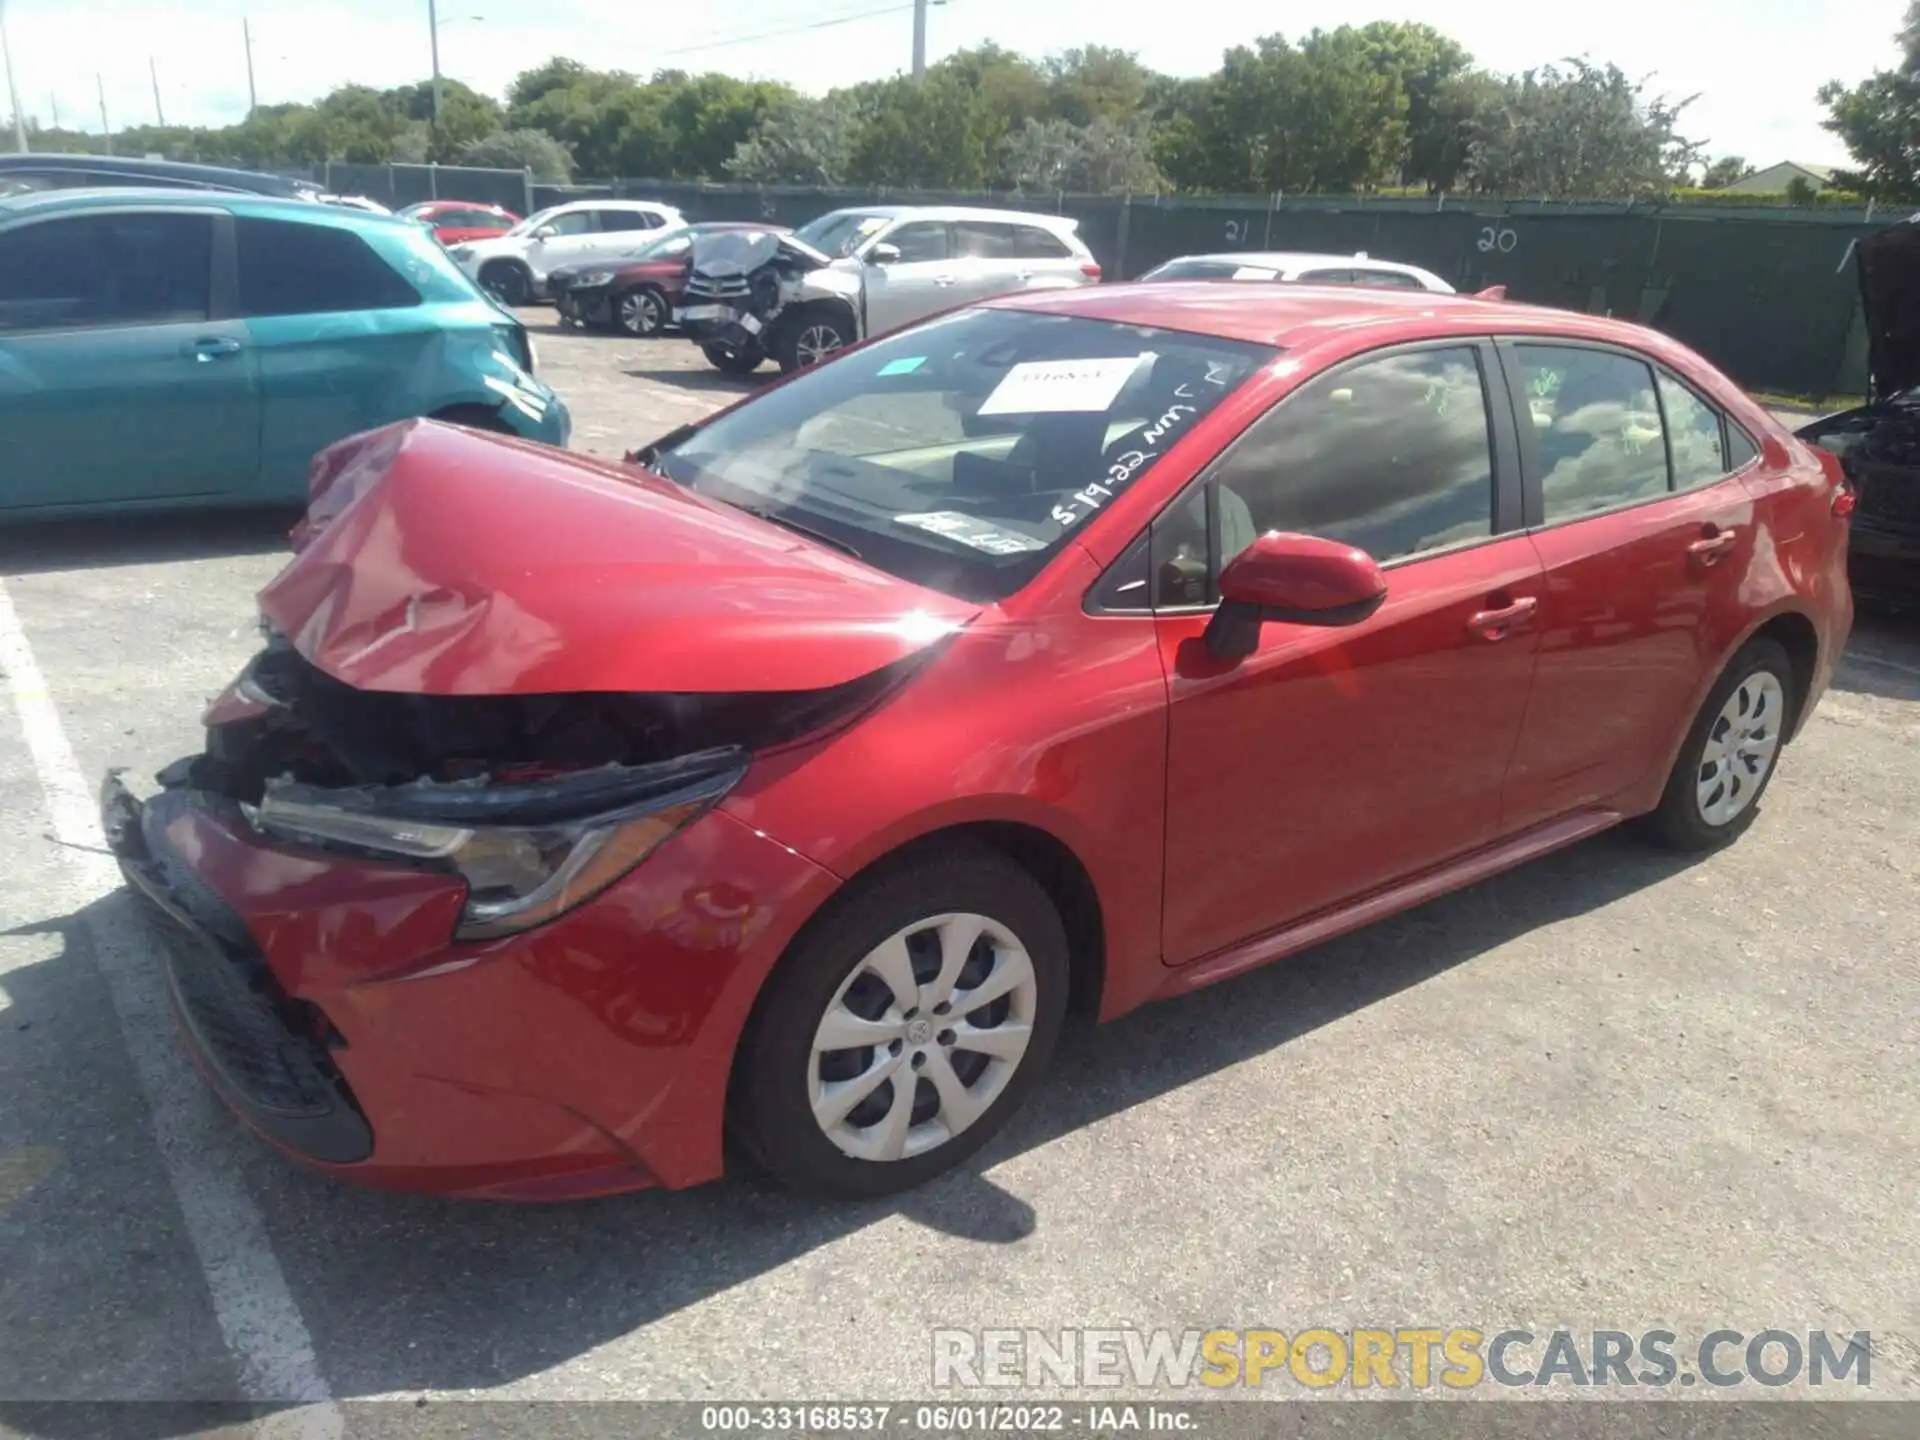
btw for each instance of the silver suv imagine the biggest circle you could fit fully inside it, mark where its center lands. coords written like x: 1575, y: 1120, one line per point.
x: 854, y: 273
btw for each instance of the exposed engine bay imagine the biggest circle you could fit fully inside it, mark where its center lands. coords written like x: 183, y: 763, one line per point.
x: 300, y: 725
x: 742, y: 283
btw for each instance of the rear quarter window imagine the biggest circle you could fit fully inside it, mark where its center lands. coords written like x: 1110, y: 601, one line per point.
x: 289, y: 268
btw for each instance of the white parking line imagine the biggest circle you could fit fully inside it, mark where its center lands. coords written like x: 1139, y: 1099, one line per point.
x: 261, y: 1324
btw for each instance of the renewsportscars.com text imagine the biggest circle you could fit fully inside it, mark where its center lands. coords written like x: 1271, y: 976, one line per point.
x: 1405, y: 1357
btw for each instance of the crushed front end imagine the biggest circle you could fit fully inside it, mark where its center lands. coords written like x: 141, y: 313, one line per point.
x: 740, y: 283
x: 484, y: 945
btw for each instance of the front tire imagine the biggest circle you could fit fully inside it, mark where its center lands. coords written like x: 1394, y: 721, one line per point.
x: 813, y: 335
x: 641, y: 313
x: 734, y: 362
x: 1731, y: 752
x: 903, y: 1030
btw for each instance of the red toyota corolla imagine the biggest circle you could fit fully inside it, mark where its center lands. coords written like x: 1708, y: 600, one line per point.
x: 1077, y: 649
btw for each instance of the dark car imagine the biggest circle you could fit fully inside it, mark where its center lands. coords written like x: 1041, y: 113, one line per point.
x: 637, y: 295
x: 1879, y: 443
x: 92, y: 172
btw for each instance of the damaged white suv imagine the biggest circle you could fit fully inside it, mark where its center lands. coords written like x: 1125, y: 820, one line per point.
x: 855, y: 273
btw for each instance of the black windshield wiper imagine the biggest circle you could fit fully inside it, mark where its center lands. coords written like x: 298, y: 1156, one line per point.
x: 649, y: 455
x: 775, y: 517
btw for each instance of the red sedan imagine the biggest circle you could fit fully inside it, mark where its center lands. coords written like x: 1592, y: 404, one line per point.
x: 638, y: 293
x: 456, y: 221
x: 1078, y: 649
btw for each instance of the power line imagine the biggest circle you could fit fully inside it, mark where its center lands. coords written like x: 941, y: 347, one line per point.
x: 796, y: 29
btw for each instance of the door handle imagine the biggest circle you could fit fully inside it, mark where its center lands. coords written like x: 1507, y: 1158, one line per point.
x: 211, y: 348
x: 1709, y: 548
x: 1502, y: 622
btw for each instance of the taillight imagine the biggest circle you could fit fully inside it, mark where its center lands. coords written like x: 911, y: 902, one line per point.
x: 1090, y: 269
x: 1843, y: 502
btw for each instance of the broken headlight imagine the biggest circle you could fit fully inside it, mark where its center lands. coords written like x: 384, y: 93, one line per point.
x: 529, y: 853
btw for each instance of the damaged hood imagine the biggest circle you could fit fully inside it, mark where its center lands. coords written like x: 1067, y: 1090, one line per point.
x: 1889, y: 266
x: 741, y: 252
x: 435, y: 560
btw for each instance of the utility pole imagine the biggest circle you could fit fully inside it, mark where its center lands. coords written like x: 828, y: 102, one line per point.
x: 246, y: 37
x: 13, y: 94
x: 54, y: 101
x: 919, y: 38
x: 159, y: 112
x: 433, y: 30
x: 100, y: 84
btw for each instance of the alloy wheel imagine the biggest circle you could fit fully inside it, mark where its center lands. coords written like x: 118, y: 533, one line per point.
x: 922, y: 1036
x: 640, y: 313
x: 816, y: 343
x: 1740, y: 747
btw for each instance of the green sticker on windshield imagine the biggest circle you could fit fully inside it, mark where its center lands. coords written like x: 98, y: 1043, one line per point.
x: 901, y: 367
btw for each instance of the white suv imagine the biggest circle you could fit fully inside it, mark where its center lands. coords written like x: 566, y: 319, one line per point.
x: 1300, y: 268
x: 855, y: 273
x: 514, y: 266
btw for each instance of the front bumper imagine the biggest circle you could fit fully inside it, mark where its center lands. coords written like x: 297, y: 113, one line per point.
x: 713, y: 323
x: 584, y: 304
x: 1884, y: 564
x: 326, y: 1004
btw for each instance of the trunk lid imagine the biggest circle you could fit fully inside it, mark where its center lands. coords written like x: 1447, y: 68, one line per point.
x: 440, y: 561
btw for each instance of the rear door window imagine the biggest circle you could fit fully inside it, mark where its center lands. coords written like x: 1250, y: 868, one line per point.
x: 983, y: 240
x: 89, y: 271
x: 1597, y: 437
x: 289, y: 268
x: 1031, y: 242
x: 1326, y: 277
x: 1393, y: 279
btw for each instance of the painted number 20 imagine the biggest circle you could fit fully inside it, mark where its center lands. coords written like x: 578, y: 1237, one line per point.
x: 1501, y: 240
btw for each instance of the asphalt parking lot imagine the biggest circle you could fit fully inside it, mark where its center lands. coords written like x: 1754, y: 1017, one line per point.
x: 1613, y: 1089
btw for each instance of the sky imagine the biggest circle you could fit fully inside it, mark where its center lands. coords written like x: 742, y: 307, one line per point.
x: 1754, y: 64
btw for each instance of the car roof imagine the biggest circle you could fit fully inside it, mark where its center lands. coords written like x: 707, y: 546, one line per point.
x: 138, y: 197
x: 606, y: 201
x: 1293, y: 316
x: 177, y: 171
x: 965, y: 212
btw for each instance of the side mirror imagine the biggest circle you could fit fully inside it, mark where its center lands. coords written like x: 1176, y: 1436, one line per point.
x: 1294, y: 579
x: 545, y: 232
x: 884, y: 254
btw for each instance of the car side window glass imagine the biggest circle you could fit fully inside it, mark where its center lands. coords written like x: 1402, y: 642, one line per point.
x: 1741, y: 449
x: 132, y: 268
x: 1178, y: 554
x: 1327, y: 277
x: 1597, y: 436
x: 574, y: 222
x: 1392, y: 455
x: 921, y: 241
x: 1693, y: 436
x: 291, y: 268
x: 1031, y: 242
x: 982, y: 240
x: 1391, y: 278
x: 626, y: 220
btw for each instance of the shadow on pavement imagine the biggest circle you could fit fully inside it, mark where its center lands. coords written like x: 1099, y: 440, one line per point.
x: 1883, y: 657
x: 144, y: 540
x: 405, y: 1293
x: 707, y: 382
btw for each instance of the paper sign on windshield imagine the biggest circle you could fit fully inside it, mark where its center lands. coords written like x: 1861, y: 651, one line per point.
x: 970, y: 531
x: 1041, y: 387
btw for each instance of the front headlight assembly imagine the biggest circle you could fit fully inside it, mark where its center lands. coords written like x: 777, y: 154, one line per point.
x: 528, y: 852
x: 592, y: 279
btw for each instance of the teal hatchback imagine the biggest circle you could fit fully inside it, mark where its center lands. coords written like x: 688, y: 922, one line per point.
x: 185, y: 348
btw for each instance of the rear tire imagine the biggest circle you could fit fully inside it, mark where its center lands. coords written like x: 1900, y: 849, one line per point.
x: 1730, y: 752
x: 929, y: 1074
x: 734, y: 362
x: 507, y: 282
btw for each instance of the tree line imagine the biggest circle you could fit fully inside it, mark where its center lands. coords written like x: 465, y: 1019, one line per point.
x: 1376, y: 107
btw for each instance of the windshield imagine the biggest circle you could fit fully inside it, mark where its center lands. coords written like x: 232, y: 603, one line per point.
x: 840, y: 233
x: 662, y: 247
x: 1210, y: 270
x: 534, y: 221
x: 961, y: 454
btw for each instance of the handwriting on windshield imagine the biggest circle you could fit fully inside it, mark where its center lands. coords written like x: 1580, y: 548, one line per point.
x: 1147, y: 448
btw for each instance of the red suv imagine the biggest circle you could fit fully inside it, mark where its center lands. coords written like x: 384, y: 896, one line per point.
x: 1077, y: 649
